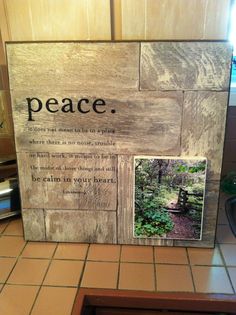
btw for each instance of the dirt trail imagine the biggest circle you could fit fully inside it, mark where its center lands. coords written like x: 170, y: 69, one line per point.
x: 183, y: 228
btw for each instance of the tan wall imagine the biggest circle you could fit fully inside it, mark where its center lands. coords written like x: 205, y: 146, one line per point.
x: 30, y: 20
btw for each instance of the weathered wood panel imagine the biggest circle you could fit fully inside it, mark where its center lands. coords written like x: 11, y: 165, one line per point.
x: 203, y: 130
x: 58, y: 20
x: 209, y: 219
x: 126, y: 205
x: 6, y: 124
x: 68, y: 181
x: 143, y: 123
x: 34, y: 225
x: 81, y: 226
x: 185, y: 66
x: 173, y: 19
x: 73, y: 66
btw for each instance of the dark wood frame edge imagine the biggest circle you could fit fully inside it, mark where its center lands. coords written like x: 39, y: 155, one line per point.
x: 152, y: 300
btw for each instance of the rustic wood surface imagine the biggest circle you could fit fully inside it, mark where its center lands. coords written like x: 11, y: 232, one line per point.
x: 81, y: 226
x: 6, y: 124
x: 73, y: 66
x: 34, y: 225
x: 203, y: 130
x: 144, y: 123
x: 162, y: 98
x: 185, y: 66
x: 68, y: 181
x: 126, y: 205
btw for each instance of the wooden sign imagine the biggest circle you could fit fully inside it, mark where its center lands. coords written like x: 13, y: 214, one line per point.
x: 84, y: 112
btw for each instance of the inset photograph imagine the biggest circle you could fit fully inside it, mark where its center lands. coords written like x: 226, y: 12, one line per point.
x: 169, y: 197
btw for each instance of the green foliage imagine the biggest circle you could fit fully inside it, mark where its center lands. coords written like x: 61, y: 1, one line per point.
x: 153, y: 223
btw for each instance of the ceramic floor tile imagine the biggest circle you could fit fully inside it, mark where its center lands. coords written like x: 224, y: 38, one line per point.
x: 100, y: 275
x: 104, y: 252
x: 11, y: 245
x: 204, y: 256
x: 211, y: 280
x: 174, y: 278
x: 29, y: 271
x: 136, y: 276
x: 71, y: 251
x: 6, y: 265
x: 229, y: 253
x: 17, y: 299
x: 15, y: 227
x: 3, y: 225
x: 232, y: 274
x: 137, y: 254
x: 64, y: 273
x: 39, y: 250
x: 54, y: 301
x: 224, y: 235
x: 170, y: 255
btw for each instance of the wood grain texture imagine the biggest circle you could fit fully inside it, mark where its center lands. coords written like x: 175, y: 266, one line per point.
x: 68, y: 181
x: 34, y: 225
x: 175, y: 19
x: 6, y: 123
x: 203, y: 130
x: 58, y: 20
x: 73, y: 66
x: 126, y: 205
x: 144, y: 123
x: 81, y: 226
x: 209, y: 218
x: 185, y: 66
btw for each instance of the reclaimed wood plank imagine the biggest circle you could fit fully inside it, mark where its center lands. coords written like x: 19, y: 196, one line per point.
x: 68, y: 181
x: 185, y: 66
x: 125, y: 212
x: 143, y: 123
x: 73, y: 66
x: 81, y: 226
x: 34, y: 225
x: 203, y: 130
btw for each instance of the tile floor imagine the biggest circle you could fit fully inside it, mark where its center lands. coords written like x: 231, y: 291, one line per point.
x: 43, y: 278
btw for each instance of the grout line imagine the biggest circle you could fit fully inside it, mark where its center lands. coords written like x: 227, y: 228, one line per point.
x: 5, y: 227
x: 191, y: 271
x: 41, y: 285
x: 118, y: 274
x: 83, y: 269
x: 226, y: 268
x: 155, y: 269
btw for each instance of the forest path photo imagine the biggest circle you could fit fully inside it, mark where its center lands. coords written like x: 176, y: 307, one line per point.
x: 169, y: 197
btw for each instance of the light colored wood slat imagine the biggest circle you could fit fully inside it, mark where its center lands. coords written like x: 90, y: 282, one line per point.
x: 73, y: 66
x: 6, y: 123
x: 217, y: 19
x: 209, y: 218
x: 133, y: 19
x: 4, y: 31
x: 203, y: 130
x: 116, y: 19
x: 126, y: 205
x: 68, y: 181
x: 143, y: 123
x: 81, y: 226
x: 99, y: 19
x: 175, y: 19
x: 19, y: 19
x: 58, y: 19
x: 185, y: 66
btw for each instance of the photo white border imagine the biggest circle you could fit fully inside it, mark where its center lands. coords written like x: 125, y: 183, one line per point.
x: 136, y: 157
